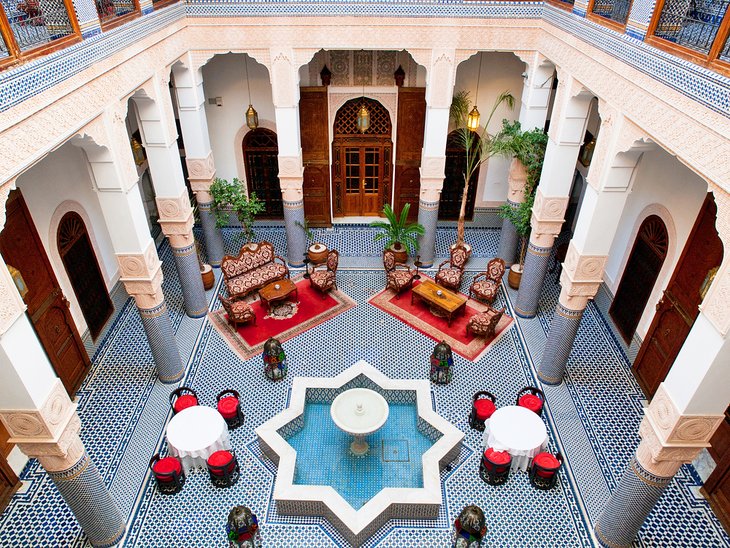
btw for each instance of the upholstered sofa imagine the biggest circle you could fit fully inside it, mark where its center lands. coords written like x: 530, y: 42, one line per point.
x: 252, y: 269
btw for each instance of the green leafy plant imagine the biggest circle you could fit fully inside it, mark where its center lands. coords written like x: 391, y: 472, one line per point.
x: 230, y: 196
x: 308, y: 233
x: 479, y: 147
x: 529, y: 148
x: 397, y: 229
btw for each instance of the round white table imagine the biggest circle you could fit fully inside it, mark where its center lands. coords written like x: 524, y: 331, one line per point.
x: 518, y: 431
x: 196, y: 433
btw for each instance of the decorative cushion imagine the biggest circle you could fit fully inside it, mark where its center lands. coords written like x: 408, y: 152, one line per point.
x: 222, y: 459
x: 228, y: 407
x: 485, y: 289
x: 323, y: 279
x: 185, y: 401
x: 547, y: 461
x: 497, y: 457
x: 450, y: 277
x: 484, y: 408
x: 531, y: 402
x: 166, y: 467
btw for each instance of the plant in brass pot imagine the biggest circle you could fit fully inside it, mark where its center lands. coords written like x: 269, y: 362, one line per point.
x: 528, y: 149
x: 400, y: 236
x: 317, y: 252
x: 230, y: 196
x: 478, y: 146
x: 206, y: 271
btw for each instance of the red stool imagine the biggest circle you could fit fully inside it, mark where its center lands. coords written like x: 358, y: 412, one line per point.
x: 223, y: 468
x: 169, y: 474
x: 482, y: 408
x: 544, y: 470
x: 495, y: 466
x: 229, y: 406
x: 182, y: 398
x: 531, y: 398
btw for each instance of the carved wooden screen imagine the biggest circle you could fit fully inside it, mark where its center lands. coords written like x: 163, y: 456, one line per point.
x: 361, y: 172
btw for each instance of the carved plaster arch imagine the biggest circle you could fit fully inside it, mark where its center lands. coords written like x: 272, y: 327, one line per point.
x: 200, y: 58
x: 238, y: 146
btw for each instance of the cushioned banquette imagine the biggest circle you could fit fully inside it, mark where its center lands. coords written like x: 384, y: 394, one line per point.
x: 252, y: 269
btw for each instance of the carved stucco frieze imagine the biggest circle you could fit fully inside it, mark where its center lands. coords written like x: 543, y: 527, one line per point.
x: 176, y: 219
x: 141, y: 274
x: 61, y: 454
x: 547, y: 218
x: 201, y: 172
x: 441, y: 76
x: 291, y: 167
x: 284, y: 78
x: 432, y: 170
x: 580, y: 279
x: 516, y: 181
x: 41, y: 425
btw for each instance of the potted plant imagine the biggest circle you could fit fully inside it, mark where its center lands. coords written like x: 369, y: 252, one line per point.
x: 528, y: 149
x: 231, y: 196
x: 317, y: 252
x: 400, y: 236
x: 479, y: 147
x: 206, y: 271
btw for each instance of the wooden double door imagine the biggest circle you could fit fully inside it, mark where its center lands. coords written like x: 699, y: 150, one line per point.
x: 363, y: 185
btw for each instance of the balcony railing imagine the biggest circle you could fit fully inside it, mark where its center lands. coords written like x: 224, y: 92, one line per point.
x: 34, y: 27
x: 613, y: 10
x: 112, y: 12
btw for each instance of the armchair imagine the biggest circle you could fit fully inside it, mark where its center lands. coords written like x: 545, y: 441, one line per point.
x: 450, y: 276
x: 484, y: 323
x: 398, y: 276
x: 484, y: 286
x: 324, y: 276
x: 238, y: 310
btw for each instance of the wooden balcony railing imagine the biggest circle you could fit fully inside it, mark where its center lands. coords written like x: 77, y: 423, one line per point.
x: 613, y: 13
x: 35, y: 27
x: 113, y: 13
x: 695, y: 29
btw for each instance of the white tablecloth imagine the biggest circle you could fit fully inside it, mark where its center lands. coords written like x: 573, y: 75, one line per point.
x: 518, y: 431
x: 196, y: 433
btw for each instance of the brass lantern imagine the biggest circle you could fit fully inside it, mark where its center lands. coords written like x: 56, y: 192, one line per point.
x: 252, y: 117
x: 274, y: 360
x: 472, y: 121
x: 442, y: 360
x: 363, y: 119
x: 242, y: 528
x: 469, y: 528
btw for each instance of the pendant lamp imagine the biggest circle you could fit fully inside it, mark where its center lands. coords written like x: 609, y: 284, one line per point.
x: 363, y: 116
x: 472, y: 121
x: 252, y: 117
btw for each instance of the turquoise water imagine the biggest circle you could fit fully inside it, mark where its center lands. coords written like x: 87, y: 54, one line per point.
x: 394, y: 459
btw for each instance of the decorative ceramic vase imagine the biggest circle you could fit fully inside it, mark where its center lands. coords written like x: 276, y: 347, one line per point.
x: 206, y: 273
x: 317, y: 253
x: 515, y: 276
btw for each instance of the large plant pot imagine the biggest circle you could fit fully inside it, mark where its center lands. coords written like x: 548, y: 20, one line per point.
x: 208, y: 277
x: 400, y: 251
x: 317, y: 253
x: 514, y: 277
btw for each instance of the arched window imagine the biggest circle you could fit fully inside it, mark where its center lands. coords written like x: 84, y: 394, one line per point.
x: 261, y: 158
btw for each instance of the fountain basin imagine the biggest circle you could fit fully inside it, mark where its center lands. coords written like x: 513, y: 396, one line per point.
x: 359, y: 412
x: 357, y: 525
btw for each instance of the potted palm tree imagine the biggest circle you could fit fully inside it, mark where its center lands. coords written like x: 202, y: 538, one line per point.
x: 478, y: 147
x: 527, y: 148
x: 400, y: 236
x: 230, y: 196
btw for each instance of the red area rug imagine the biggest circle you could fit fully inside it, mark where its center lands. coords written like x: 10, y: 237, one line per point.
x: 286, y: 320
x: 419, y: 316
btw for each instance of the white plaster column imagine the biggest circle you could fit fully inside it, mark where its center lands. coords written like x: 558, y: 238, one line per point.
x: 440, y: 81
x: 682, y: 417
x: 285, y: 95
x: 41, y: 419
x: 538, y: 84
x: 198, y: 152
x: 567, y: 128
x: 159, y: 136
x: 115, y: 179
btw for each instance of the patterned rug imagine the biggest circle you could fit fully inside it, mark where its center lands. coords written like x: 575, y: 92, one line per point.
x: 285, y: 320
x: 432, y: 323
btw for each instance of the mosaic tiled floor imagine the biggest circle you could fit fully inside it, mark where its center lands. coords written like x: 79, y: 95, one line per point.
x: 592, y: 419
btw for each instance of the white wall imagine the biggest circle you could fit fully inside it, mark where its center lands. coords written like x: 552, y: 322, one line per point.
x: 665, y: 187
x: 224, y: 76
x: 63, y: 175
x: 500, y: 72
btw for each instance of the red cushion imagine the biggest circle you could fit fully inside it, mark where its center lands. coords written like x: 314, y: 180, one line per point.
x: 185, y: 401
x: 497, y: 457
x: 228, y: 407
x: 165, y: 467
x: 531, y: 402
x: 546, y: 460
x: 485, y: 408
x: 221, y: 459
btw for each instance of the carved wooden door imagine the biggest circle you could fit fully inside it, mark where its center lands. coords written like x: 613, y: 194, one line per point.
x: 408, y: 150
x: 83, y: 270
x: 47, y: 307
x: 261, y: 158
x: 453, y: 189
x: 315, y: 155
x: 361, y: 172
x: 678, y: 308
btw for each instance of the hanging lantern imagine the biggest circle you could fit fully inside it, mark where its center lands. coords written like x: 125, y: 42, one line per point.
x: 441, y: 361
x: 326, y: 75
x: 242, y: 528
x: 252, y: 117
x: 137, y: 151
x: 472, y: 121
x: 363, y: 119
x: 400, y: 76
x: 274, y: 360
x: 469, y: 528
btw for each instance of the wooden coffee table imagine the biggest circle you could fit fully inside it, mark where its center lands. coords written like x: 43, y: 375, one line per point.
x: 279, y: 290
x: 447, y: 302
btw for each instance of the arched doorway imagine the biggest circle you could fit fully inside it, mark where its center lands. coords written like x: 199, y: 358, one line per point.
x: 640, y: 275
x: 453, y: 189
x: 83, y: 271
x: 361, y: 173
x: 261, y: 159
